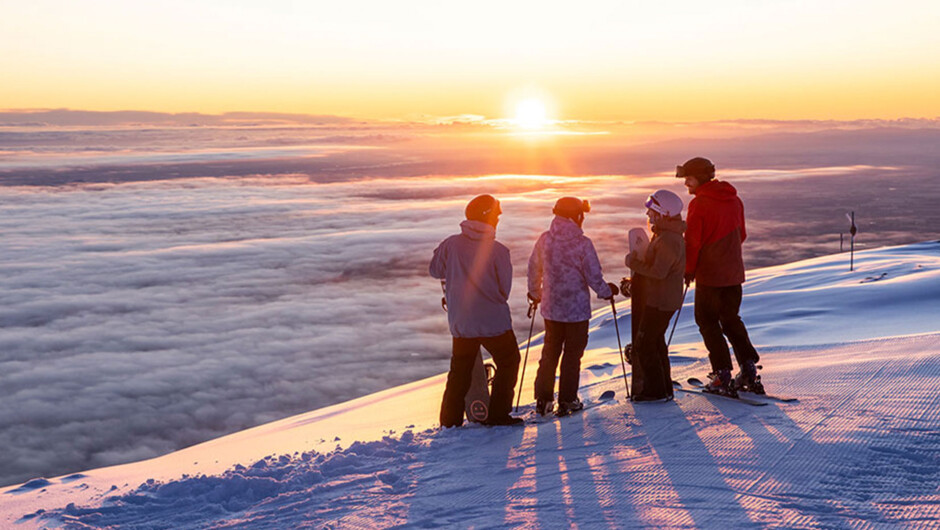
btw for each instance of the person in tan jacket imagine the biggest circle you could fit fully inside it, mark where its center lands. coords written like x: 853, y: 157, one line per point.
x: 658, y: 274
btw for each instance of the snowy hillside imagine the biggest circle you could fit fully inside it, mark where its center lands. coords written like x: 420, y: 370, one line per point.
x: 860, y: 448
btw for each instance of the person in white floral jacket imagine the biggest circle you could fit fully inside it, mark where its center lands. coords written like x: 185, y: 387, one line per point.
x: 562, y: 267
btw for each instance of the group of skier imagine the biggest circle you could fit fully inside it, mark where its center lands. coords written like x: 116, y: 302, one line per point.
x: 477, y: 273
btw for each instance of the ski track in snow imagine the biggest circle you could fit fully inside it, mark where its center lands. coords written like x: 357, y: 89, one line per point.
x: 860, y: 449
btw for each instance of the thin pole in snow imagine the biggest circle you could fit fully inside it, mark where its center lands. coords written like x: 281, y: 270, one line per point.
x: 623, y: 365
x: 852, y: 230
x: 678, y: 314
x: 532, y: 310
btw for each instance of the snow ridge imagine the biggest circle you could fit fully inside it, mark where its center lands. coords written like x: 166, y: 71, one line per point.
x: 312, y: 485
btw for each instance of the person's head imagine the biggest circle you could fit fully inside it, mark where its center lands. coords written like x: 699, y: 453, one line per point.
x: 573, y: 208
x: 663, y: 204
x: 695, y: 172
x: 484, y: 208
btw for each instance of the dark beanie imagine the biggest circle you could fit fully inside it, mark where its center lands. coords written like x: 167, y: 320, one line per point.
x: 698, y: 167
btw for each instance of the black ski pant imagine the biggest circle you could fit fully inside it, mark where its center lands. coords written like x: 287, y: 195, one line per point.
x: 505, y: 352
x: 652, y: 376
x: 716, y: 313
x: 564, y: 340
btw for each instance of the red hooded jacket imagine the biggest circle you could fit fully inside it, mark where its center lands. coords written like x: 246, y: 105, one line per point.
x: 714, y: 235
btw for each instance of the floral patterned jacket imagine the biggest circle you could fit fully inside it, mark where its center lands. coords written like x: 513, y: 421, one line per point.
x: 562, y: 266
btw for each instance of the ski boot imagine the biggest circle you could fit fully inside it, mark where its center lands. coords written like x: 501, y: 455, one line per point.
x: 747, y: 379
x: 544, y: 407
x: 567, y: 407
x: 721, y: 383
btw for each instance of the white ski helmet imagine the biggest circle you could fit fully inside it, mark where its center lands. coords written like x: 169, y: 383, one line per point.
x: 665, y: 203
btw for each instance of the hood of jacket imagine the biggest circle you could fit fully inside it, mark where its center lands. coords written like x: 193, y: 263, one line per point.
x: 564, y: 229
x: 477, y: 230
x: 717, y: 190
x: 668, y: 224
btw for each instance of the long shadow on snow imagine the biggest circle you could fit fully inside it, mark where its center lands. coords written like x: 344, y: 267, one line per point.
x: 694, y: 474
x: 575, y: 484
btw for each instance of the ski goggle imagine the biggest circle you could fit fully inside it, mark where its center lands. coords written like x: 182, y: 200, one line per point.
x: 652, y: 203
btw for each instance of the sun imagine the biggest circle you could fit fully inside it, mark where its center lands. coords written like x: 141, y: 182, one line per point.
x: 531, y: 114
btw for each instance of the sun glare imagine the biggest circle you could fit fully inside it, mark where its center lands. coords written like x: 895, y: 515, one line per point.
x: 531, y: 114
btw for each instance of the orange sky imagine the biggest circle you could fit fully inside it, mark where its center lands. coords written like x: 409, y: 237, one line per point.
x: 603, y: 60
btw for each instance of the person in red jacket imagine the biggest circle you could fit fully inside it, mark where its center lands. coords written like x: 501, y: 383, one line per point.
x: 713, y: 259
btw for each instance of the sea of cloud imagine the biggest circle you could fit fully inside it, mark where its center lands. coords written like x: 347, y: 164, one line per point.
x: 142, y: 316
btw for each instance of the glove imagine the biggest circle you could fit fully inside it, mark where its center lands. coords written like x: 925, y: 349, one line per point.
x: 533, y: 304
x: 625, y: 287
x: 628, y: 353
x: 689, y: 276
x: 613, y: 290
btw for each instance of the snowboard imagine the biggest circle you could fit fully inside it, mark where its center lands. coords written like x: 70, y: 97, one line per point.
x: 477, y: 401
x: 638, y: 295
x: 638, y: 240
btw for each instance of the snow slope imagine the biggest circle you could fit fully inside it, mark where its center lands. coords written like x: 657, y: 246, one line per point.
x: 860, y: 449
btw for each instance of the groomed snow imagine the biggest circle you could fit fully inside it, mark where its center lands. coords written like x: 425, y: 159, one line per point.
x: 861, y: 447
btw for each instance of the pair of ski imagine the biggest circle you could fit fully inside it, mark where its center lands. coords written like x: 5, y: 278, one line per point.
x: 606, y: 397
x: 757, y: 400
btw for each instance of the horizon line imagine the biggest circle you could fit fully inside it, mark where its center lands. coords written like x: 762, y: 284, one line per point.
x: 65, y: 116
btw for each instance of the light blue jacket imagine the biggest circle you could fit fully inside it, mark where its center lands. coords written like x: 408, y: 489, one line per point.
x: 477, y: 273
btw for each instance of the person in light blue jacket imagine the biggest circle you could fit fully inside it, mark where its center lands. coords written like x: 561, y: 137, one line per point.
x: 562, y: 267
x: 477, y: 273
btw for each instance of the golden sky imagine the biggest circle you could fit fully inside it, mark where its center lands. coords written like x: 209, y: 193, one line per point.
x: 601, y: 60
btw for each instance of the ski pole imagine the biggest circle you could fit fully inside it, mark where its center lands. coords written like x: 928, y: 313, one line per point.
x: 684, y: 291
x: 623, y: 365
x: 532, y: 306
